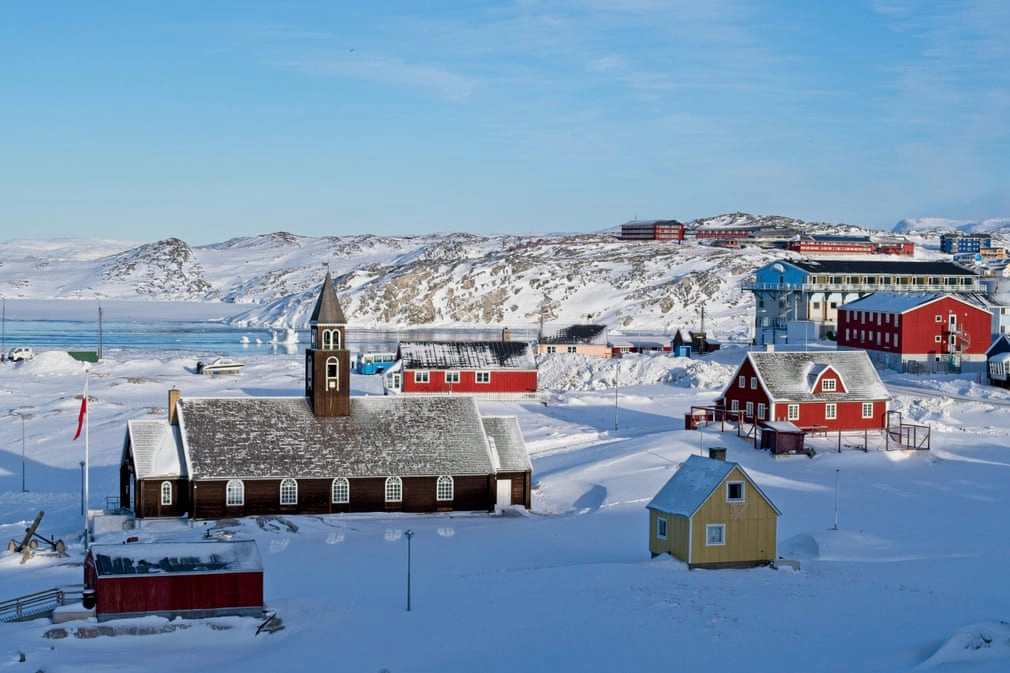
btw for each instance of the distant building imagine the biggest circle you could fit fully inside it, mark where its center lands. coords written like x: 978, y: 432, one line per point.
x: 654, y: 230
x: 711, y: 514
x: 849, y: 245
x: 482, y: 368
x: 576, y: 339
x: 955, y: 243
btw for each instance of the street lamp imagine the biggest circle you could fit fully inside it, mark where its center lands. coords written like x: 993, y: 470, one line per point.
x: 409, y: 533
x: 23, y: 489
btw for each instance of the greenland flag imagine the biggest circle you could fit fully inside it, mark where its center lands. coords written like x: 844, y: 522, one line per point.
x: 84, y: 410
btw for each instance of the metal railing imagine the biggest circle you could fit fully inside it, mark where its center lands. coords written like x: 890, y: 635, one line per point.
x: 38, y: 604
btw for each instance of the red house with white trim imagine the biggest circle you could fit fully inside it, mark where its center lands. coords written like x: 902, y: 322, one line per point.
x: 904, y: 331
x: 822, y: 390
x: 489, y: 368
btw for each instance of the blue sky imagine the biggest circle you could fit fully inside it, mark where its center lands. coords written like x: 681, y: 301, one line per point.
x: 207, y: 120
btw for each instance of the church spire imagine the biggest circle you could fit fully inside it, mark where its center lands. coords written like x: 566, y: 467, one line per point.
x: 327, y: 360
x: 328, y: 310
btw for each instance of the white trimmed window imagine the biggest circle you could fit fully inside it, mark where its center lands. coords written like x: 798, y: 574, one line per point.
x: 830, y: 411
x: 734, y: 491
x: 340, y: 491
x: 444, y: 488
x: 750, y: 410
x: 572, y: 349
x: 661, y: 528
x: 332, y: 373
x: 394, y: 489
x: 867, y: 409
x: 289, y: 492
x: 734, y: 405
x: 452, y: 377
x: 552, y: 349
x: 234, y: 492
x: 166, y: 493
x: 483, y: 377
x: 753, y: 383
x: 828, y: 385
x: 742, y: 382
x: 421, y: 376
x: 792, y: 412
x: 939, y: 318
x: 762, y: 410
x: 715, y: 535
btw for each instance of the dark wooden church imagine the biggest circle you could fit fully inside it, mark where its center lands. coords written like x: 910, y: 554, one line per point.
x: 323, y: 452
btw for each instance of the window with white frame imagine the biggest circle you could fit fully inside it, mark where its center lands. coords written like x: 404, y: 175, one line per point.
x: 792, y: 412
x: 938, y: 338
x: 734, y: 405
x: 394, y: 489
x: 715, y: 535
x: 234, y: 492
x: 340, y: 491
x: 483, y: 377
x: 753, y: 383
x: 572, y: 349
x: 289, y: 492
x: 660, y: 528
x: 742, y: 382
x: 444, y: 488
x: 828, y: 385
x: 332, y: 373
x: 749, y: 413
x: 166, y: 493
x: 762, y: 410
x: 734, y: 491
x: 552, y: 349
x: 452, y: 377
x: 421, y: 376
x: 830, y: 411
x: 939, y: 318
x: 867, y: 409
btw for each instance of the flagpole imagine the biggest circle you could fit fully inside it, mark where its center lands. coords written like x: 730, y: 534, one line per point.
x: 87, y: 536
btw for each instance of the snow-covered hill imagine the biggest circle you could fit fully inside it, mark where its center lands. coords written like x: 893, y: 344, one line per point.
x: 435, y: 280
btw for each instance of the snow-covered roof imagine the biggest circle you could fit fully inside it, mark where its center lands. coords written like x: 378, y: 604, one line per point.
x: 156, y: 449
x: 506, y: 441
x: 898, y: 302
x: 787, y: 375
x: 698, y: 477
x: 467, y: 355
x: 248, y: 438
x: 176, y: 557
x: 577, y: 334
x: 782, y: 426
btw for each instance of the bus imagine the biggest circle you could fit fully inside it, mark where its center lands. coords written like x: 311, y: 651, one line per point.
x: 374, y: 363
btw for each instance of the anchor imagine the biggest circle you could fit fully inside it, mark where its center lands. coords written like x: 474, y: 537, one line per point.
x: 29, y: 542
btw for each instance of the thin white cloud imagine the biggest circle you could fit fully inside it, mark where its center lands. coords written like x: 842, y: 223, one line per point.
x: 442, y: 83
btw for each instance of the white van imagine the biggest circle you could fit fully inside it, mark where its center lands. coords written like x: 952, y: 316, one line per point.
x: 20, y: 353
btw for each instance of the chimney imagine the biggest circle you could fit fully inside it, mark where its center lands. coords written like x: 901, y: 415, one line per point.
x: 769, y: 348
x: 717, y: 452
x: 173, y: 397
x: 506, y: 334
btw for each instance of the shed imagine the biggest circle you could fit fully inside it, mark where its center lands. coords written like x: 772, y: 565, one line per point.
x: 175, y: 579
x: 711, y: 514
x: 781, y: 437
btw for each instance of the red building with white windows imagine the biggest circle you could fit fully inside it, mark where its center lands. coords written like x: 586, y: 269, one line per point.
x: 489, y: 368
x: 917, y: 331
x: 817, y: 390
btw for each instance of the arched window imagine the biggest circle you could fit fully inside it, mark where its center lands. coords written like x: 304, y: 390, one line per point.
x: 394, y: 489
x: 166, y: 493
x: 331, y: 340
x: 289, y: 492
x: 444, y: 488
x: 341, y: 490
x: 235, y: 492
x: 332, y: 373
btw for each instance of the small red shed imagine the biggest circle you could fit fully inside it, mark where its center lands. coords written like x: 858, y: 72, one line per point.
x: 175, y: 579
x: 782, y: 437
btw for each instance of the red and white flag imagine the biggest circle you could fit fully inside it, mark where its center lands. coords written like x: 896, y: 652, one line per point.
x: 84, y: 410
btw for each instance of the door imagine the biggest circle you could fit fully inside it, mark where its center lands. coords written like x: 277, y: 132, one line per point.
x: 504, y: 493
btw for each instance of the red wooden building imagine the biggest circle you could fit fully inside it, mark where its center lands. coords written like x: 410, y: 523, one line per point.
x: 905, y: 331
x: 488, y: 368
x: 816, y: 390
x: 655, y: 230
x: 178, y: 579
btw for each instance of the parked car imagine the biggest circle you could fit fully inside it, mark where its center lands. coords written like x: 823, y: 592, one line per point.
x: 20, y: 353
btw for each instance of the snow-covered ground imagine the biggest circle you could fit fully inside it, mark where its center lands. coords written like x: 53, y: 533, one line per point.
x: 913, y: 578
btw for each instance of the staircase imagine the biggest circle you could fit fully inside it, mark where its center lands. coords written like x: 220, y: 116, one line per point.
x: 39, y: 604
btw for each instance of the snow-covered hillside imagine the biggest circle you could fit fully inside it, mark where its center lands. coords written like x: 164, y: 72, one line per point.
x: 435, y: 280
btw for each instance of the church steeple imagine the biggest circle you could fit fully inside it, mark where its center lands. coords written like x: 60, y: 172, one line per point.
x: 327, y: 360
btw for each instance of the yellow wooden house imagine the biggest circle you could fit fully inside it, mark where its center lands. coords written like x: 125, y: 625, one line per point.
x: 711, y: 514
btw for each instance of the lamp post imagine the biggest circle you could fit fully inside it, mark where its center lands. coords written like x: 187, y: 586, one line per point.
x: 836, y: 499
x: 409, y: 533
x: 23, y: 489
x: 617, y: 388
